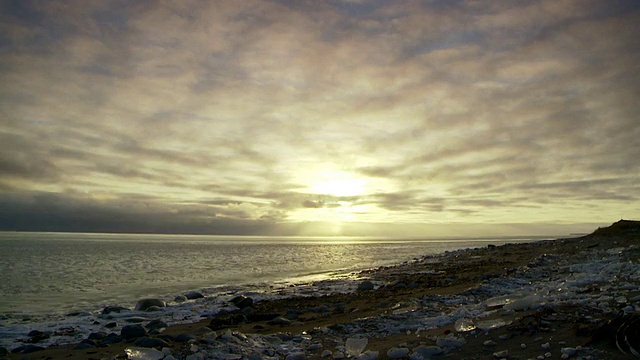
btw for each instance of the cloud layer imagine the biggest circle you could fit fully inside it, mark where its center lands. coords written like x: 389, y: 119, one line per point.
x: 261, y: 117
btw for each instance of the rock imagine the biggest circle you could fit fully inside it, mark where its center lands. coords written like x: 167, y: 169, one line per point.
x: 3, y: 351
x: 148, y: 342
x: 369, y: 355
x: 426, y: 352
x: 112, y: 338
x: 78, y: 313
x: 27, y: 349
x: 153, y: 308
x: 501, y: 354
x: 279, y: 321
x: 180, y: 298
x: 156, y: 324
x: 326, y: 353
x: 256, y: 317
x: 97, y: 335
x: 192, y: 295
x: 137, y: 353
x: 129, y: 332
x: 366, y: 285
x: 114, y: 309
x: 242, y: 301
x: 397, y: 353
x: 184, y: 338
x: 111, y: 325
x: 296, y: 356
x: 223, y: 322
x: 568, y: 350
x: 145, y: 304
x: 36, y: 336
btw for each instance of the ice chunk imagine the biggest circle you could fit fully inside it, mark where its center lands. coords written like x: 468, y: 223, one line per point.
x: 354, y: 346
x: 464, y: 324
x: 487, y: 325
x: 138, y: 353
x: 523, y: 303
x: 450, y: 341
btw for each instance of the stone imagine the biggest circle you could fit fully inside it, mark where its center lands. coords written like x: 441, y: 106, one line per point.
x: 78, y: 313
x: 144, y: 304
x: 184, y: 338
x: 296, y: 356
x: 397, y: 353
x: 129, y: 332
x: 279, y: 321
x: 156, y: 324
x: 192, y: 295
x: 223, y: 322
x: 97, y: 335
x: 148, y: 342
x: 242, y: 301
x: 114, y: 309
x: 501, y: 354
x: 366, y: 285
x: 3, y: 351
x: 112, y: 338
x: 27, y: 349
x: 180, y: 298
x: 111, y: 325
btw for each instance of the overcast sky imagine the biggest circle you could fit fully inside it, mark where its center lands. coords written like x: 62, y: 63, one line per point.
x: 318, y: 117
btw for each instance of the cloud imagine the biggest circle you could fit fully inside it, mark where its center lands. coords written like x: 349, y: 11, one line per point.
x: 444, y: 110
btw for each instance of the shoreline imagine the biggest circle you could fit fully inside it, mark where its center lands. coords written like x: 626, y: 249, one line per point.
x: 509, y: 293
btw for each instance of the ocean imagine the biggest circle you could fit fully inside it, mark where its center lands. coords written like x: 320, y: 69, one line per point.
x: 45, y: 274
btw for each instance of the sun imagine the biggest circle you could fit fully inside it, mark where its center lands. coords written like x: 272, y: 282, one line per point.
x: 339, y: 185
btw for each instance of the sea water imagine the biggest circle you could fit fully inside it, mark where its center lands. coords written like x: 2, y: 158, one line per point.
x: 57, y: 273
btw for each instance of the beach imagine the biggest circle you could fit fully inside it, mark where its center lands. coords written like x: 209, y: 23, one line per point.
x: 563, y: 298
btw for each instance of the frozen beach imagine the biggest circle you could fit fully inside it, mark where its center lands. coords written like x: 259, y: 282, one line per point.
x: 551, y: 299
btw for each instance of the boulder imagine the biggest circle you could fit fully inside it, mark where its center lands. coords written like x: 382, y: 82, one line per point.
x: 112, y: 338
x: 366, y: 286
x: 97, y: 335
x: 145, y: 304
x: 242, y: 301
x: 192, y: 295
x: 156, y: 324
x: 132, y: 331
x: 114, y: 309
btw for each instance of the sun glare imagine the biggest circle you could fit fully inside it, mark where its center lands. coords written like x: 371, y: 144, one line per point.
x: 338, y: 185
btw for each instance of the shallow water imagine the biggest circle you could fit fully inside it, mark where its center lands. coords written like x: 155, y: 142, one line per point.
x: 55, y: 273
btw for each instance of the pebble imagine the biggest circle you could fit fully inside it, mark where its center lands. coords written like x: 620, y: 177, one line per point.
x: 546, y: 345
x: 489, y: 343
x: 326, y: 353
x: 501, y: 354
x: 523, y: 346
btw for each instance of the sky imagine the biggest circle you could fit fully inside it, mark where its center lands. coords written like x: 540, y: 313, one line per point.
x: 353, y: 117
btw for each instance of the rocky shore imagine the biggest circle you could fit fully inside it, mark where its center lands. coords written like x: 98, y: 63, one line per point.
x: 572, y: 298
